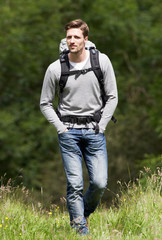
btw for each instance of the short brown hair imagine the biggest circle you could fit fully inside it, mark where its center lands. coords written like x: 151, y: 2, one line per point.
x: 78, y: 23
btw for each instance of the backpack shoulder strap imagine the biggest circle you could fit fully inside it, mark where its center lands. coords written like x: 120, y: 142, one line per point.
x: 65, y: 67
x: 94, y: 58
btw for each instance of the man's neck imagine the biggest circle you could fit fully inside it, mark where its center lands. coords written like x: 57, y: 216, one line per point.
x: 77, y: 57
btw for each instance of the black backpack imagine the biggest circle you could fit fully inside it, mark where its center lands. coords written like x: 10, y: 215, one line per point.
x: 95, y: 67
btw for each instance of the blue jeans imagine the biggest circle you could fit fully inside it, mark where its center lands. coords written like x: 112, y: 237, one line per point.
x: 74, y: 144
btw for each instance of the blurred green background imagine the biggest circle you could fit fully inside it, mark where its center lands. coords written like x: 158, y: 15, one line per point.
x: 129, y: 32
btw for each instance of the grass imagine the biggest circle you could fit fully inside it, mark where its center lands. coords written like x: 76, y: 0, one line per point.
x: 136, y: 214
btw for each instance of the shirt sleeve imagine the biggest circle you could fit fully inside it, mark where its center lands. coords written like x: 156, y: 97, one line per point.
x: 110, y: 90
x: 47, y: 97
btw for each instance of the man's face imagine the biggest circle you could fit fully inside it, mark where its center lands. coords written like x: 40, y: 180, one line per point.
x: 75, y: 40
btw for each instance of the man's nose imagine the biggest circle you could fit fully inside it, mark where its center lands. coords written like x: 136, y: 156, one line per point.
x: 72, y: 40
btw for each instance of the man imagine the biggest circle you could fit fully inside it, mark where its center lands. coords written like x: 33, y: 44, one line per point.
x: 80, y: 100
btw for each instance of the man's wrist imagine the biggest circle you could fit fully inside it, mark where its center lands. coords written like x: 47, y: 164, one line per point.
x: 66, y: 130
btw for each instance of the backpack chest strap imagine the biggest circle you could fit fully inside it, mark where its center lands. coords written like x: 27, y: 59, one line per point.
x: 76, y: 72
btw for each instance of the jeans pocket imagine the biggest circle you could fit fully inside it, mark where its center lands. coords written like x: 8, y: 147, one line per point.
x: 91, y: 130
x: 63, y: 133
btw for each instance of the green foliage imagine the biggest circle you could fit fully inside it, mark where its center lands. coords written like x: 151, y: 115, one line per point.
x: 137, y: 215
x: 150, y: 162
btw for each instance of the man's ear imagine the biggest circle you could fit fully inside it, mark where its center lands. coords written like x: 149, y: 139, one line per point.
x: 86, y: 39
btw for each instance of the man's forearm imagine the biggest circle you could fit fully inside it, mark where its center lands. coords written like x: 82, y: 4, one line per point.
x: 51, y: 116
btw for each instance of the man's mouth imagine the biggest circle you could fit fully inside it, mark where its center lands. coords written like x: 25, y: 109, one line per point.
x: 73, y: 46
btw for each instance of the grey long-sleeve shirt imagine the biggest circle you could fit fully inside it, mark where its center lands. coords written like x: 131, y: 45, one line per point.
x: 81, y: 96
